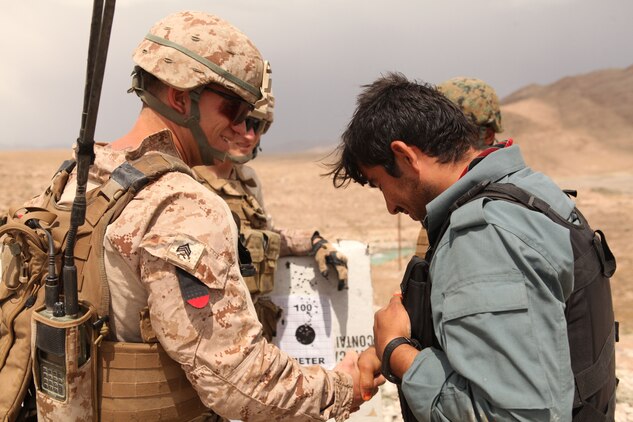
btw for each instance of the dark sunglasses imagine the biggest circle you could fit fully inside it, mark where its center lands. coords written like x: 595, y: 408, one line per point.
x: 234, y: 107
x: 259, y: 126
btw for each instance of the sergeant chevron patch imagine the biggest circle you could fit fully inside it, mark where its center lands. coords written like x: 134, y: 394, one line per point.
x: 185, y: 252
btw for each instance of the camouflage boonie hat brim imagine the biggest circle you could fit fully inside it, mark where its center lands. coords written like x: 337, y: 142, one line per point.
x: 189, y: 49
x: 477, y: 99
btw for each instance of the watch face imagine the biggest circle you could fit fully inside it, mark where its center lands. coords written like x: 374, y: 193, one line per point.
x: 305, y: 334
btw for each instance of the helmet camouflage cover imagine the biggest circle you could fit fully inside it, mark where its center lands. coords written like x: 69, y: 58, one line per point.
x: 189, y: 49
x: 477, y: 99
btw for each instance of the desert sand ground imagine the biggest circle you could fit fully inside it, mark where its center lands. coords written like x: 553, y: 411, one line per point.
x: 297, y: 197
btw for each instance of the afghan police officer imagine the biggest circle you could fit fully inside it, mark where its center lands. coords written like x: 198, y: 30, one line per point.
x: 234, y: 180
x: 480, y: 103
x: 170, y: 258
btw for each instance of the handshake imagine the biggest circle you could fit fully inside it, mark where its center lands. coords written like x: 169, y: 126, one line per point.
x: 365, y: 375
x: 391, y: 329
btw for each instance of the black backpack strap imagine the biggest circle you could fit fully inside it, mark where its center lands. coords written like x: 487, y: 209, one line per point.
x: 607, y: 260
x: 589, y: 413
x: 129, y: 176
x: 513, y: 193
x: 436, y: 235
x: 67, y: 166
x: 594, y: 398
x: 471, y: 194
x: 593, y: 378
x: 488, y: 189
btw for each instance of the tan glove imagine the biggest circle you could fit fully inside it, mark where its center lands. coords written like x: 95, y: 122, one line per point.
x: 326, y: 254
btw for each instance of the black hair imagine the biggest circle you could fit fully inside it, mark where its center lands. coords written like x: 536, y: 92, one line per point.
x: 394, y: 108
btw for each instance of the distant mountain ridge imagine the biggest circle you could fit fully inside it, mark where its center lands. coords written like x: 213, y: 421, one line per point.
x: 583, y: 121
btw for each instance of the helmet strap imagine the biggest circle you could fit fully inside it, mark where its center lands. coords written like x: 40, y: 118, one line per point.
x: 256, y: 150
x: 208, y: 154
x: 240, y: 159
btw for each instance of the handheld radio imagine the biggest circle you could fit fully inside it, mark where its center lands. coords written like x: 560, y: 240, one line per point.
x: 66, y: 332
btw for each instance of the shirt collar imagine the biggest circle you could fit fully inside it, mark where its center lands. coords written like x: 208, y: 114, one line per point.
x: 493, y: 167
x: 107, y: 158
x: 161, y: 141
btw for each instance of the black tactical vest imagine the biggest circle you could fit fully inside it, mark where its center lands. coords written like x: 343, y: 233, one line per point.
x: 591, y: 328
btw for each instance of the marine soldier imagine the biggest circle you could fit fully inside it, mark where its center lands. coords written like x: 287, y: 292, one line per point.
x: 170, y: 258
x: 237, y: 183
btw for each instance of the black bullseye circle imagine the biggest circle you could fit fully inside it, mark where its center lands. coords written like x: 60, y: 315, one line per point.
x: 305, y: 334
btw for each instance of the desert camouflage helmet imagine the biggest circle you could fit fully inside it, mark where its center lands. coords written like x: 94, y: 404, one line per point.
x: 189, y: 49
x: 477, y: 99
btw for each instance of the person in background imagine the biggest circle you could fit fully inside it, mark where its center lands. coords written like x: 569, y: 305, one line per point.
x: 237, y: 183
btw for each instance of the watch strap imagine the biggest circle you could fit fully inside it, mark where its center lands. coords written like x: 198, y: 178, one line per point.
x: 385, y: 368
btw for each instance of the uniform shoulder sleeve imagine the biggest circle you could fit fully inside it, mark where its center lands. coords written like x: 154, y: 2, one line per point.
x: 190, y: 237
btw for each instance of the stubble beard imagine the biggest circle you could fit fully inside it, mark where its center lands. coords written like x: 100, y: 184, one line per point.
x: 422, y: 195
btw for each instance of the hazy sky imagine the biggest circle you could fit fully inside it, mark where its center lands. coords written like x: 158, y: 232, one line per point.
x: 321, y: 52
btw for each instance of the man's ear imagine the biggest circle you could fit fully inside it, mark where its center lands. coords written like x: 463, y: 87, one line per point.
x: 177, y: 99
x: 405, y: 155
x: 489, y: 137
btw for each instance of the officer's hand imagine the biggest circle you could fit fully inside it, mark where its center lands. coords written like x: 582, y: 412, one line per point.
x: 367, y: 374
x: 326, y: 254
x: 370, y: 377
x: 390, y: 322
x: 349, y: 365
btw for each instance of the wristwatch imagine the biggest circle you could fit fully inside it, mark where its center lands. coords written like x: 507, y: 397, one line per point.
x: 386, y: 356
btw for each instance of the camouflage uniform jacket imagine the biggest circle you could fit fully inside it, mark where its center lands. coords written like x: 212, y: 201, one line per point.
x: 293, y: 242
x: 176, y: 222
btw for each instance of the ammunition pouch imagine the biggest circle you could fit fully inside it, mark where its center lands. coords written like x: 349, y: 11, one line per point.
x: 263, y: 244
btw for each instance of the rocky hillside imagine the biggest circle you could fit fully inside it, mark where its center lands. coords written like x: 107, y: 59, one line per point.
x: 578, y: 125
